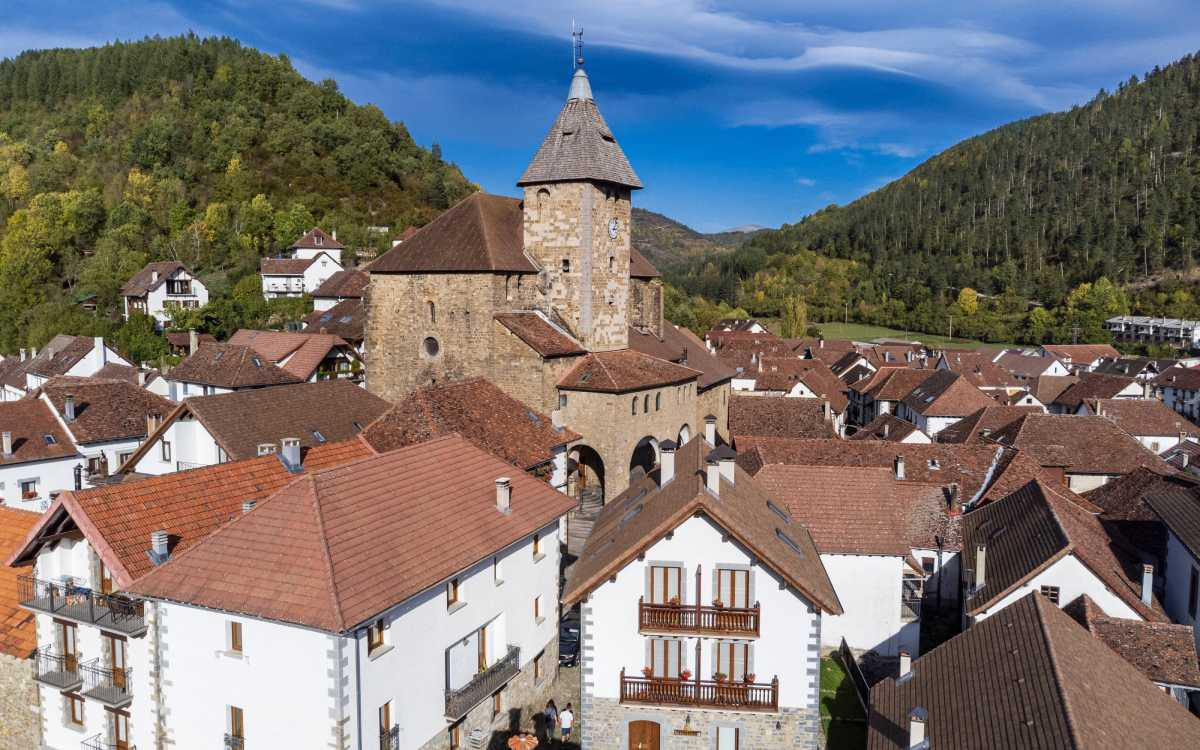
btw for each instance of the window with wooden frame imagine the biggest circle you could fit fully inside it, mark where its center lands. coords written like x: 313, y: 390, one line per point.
x: 235, y: 637
x: 666, y: 657
x: 385, y: 726
x: 733, y: 659
x: 665, y: 584
x: 451, y: 592
x: 728, y: 738
x: 733, y: 587
x: 67, y: 644
x: 537, y: 546
x: 375, y: 636
x: 29, y: 489
x: 106, y: 580
x: 166, y: 450
x: 1051, y: 593
x: 1193, y: 593
x: 497, y: 703
x: 73, y: 709
x: 455, y: 736
x: 237, y: 723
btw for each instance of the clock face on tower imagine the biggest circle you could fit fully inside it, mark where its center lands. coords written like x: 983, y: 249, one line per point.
x: 613, y: 226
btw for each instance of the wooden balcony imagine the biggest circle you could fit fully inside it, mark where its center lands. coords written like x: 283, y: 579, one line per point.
x: 482, y: 685
x: 697, y: 619
x: 697, y: 693
x: 68, y: 601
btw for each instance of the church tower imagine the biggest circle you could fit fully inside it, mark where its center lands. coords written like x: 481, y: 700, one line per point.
x: 577, y: 220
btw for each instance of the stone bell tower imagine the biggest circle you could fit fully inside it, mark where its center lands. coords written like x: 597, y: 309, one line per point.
x: 577, y: 220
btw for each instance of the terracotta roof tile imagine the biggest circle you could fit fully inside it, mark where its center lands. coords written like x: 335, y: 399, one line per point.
x: 477, y: 410
x: 681, y: 346
x: 18, y: 627
x: 979, y: 426
x: 540, y: 334
x: 1047, y: 388
x: 317, y: 239
x: 782, y: 374
x: 1164, y: 652
x: 335, y: 548
x: 639, y: 267
x: 1081, y: 354
x: 1146, y: 417
x: 183, y: 339
x: 624, y: 370
x: 345, y: 320
x: 1092, y: 385
x: 30, y: 420
x: 229, y: 366
x: 284, y: 266
x: 143, y: 281
x: 343, y: 285
x: 1047, y: 682
x: 127, y: 373
x: 979, y: 370
x: 105, y: 410
x: 888, y: 427
x: 1186, y: 378
x: 946, y: 394
x: 1025, y: 366
x: 1083, y: 445
x: 778, y: 416
x: 297, y: 353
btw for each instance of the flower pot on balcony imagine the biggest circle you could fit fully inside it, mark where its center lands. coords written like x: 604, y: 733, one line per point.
x: 647, y: 672
x: 685, y: 675
x: 719, y: 676
x: 749, y: 678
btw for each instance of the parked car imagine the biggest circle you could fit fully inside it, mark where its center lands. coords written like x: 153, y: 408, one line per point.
x: 568, y: 639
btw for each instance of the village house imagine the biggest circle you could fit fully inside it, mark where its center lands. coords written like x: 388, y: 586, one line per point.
x: 891, y: 428
x: 161, y: 287
x: 1139, y: 368
x: 297, y: 275
x: 1149, y: 420
x: 728, y: 325
x: 151, y: 380
x: 19, y: 715
x: 1142, y: 329
x: 979, y: 426
x: 1185, y: 456
x: 37, y: 457
x: 183, y: 343
x: 1096, y: 386
x: 78, y: 356
x: 344, y: 320
x: 1029, y: 366
x: 978, y: 369
x: 941, y: 400
x: 224, y: 368
x: 1179, y: 389
x: 206, y: 430
x: 882, y: 392
x: 1048, y: 684
x: 1179, y: 509
x: 1079, y: 358
x: 340, y: 287
x: 308, y: 356
x: 751, y: 416
x: 730, y: 595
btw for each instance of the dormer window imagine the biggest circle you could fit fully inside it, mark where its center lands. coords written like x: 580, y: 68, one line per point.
x: 318, y: 240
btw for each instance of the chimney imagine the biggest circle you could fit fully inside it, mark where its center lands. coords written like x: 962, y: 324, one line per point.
x: 504, y: 494
x: 69, y: 408
x: 154, y: 277
x: 23, y: 353
x: 99, y: 354
x: 7, y: 443
x: 712, y: 478
x: 141, y: 376
x: 1183, y: 459
x: 151, y: 424
x: 666, y: 462
x: 887, y: 429
x: 1147, y: 584
x: 905, y: 663
x: 335, y: 235
x: 916, y: 728
x: 159, y: 552
x: 710, y: 430
x: 980, y: 565
x: 193, y: 341
x: 724, y: 456
x: 291, y: 453
x: 899, y: 467
x: 248, y: 505
x: 828, y: 411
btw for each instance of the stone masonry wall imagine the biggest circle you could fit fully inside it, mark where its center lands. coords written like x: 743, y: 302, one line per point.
x: 607, y: 726
x: 521, y: 372
x: 20, y: 715
x: 646, y: 305
x: 715, y: 401
x: 520, y: 700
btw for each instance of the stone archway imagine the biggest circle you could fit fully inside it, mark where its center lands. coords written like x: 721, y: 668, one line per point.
x: 645, y: 455
x: 685, y: 434
x: 588, y: 470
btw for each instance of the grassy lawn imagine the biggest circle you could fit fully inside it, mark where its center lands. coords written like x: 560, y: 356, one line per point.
x: 842, y: 716
x: 864, y: 332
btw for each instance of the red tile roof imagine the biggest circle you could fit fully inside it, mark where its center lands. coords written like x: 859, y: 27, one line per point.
x: 300, y: 353
x: 1081, y: 354
x: 946, y: 394
x: 117, y: 519
x: 1144, y: 417
x: 144, y: 280
x: 1164, y: 652
x: 888, y: 427
x: 284, y: 266
x: 778, y: 416
x: 334, y: 549
x: 345, y: 319
x: 477, y: 410
x: 979, y: 370
x: 782, y: 374
x: 105, y: 410
x: 18, y: 628
x: 317, y: 239
x: 545, y: 338
x: 480, y: 233
x: 640, y: 267
x: 343, y: 285
x: 229, y: 366
x: 979, y: 426
x: 30, y: 420
x: 182, y: 339
x: 1184, y: 378
x: 1028, y: 678
x: 1092, y: 385
x: 624, y: 370
x: 1083, y: 445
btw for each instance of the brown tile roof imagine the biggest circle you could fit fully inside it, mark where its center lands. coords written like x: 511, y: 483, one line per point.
x: 647, y: 342
x: 117, y: 519
x: 1164, y: 652
x: 1182, y: 455
x: 979, y: 426
x: 1147, y: 417
x: 1082, y: 445
x: 624, y: 370
x: 1134, y: 366
x: 580, y: 146
x: 18, y: 627
x: 639, y: 267
x: 691, y: 352
x: 1025, y: 366
x: 778, y: 416
x: 343, y: 284
x: 979, y: 370
x: 182, y: 339
x: 127, y: 373
x: 58, y: 356
x: 479, y: 233
x: 105, y: 410
x: 644, y: 513
x: 345, y: 320
x: 540, y: 334
x: 300, y: 353
x: 1179, y: 508
x: 317, y: 239
x: 333, y: 549
x: 477, y: 410
x: 946, y: 394
x: 143, y: 281
x: 1123, y: 506
x: 1033, y: 528
x: 1185, y: 378
x: 229, y: 366
x: 1028, y: 678
x: 893, y: 383
x: 887, y: 427
x: 240, y: 421
x: 860, y: 511
x: 1081, y: 354
x: 30, y: 420
x: 284, y: 266
x: 782, y: 374
x: 1046, y: 388
x: 1092, y: 385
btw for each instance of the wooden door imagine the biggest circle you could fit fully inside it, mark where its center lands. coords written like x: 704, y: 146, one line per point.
x: 733, y: 587
x: 643, y: 735
x: 116, y: 650
x: 120, y: 730
x: 237, y: 723
x: 66, y: 640
x: 483, y: 661
x: 665, y: 583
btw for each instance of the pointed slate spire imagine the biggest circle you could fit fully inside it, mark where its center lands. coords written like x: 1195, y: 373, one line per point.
x: 580, y: 145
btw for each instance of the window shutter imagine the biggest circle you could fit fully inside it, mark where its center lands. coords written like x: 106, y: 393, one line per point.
x: 650, y: 583
x: 660, y: 662
x: 716, y: 652
x: 751, y: 594
x: 649, y: 653
x: 750, y: 659
x: 673, y: 655
x: 673, y: 575
x: 738, y: 673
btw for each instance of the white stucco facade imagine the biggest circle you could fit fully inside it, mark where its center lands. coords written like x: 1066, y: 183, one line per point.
x: 180, y: 289
x: 1072, y: 578
x: 870, y: 588
x: 1182, y: 572
x: 48, y: 477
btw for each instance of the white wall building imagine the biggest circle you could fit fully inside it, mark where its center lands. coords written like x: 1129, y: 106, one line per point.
x: 161, y: 286
x: 1180, y: 511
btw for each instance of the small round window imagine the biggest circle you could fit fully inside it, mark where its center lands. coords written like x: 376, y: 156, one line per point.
x: 430, y: 346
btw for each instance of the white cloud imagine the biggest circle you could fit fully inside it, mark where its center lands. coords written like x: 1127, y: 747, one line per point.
x: 805, y: 181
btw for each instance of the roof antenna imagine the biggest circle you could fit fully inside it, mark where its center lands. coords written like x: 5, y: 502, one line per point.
x: 576, y: 46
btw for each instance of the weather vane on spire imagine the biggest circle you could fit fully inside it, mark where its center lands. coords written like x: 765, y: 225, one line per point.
x: 577, y: 45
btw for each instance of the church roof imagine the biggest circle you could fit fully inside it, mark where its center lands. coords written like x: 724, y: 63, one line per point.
x: 580, y: 145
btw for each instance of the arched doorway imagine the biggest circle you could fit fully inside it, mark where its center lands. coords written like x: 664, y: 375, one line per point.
x: 645, y: 455
x: 588, y: 471
x: 644, y: 735
x: 685, y: 434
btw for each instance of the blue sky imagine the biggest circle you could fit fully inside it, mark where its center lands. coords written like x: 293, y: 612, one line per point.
x: 732, y: 113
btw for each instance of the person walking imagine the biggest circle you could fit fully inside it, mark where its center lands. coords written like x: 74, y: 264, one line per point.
x: 566, y: 719
x: 551, y: 717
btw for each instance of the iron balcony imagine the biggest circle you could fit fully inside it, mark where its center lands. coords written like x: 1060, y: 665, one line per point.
x: 482, y: 685
x: 69, y: 601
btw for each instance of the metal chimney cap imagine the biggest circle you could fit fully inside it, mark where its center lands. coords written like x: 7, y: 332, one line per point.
x: 581, y: 87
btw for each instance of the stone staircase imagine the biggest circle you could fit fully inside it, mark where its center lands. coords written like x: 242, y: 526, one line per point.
x: 581, y: 520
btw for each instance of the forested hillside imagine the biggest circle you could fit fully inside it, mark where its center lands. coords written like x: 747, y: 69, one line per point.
x: 1020, y: 216
x: 670, y: 245
x: 184, y: 148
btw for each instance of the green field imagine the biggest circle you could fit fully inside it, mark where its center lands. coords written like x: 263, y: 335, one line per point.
x: 842, y: 715
x: 864, y: 332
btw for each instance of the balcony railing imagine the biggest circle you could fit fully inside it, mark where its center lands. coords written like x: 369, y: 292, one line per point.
x: 462, y: 700
x: 390, y: 740
x: 100, y: 743
x: 112, y: 612
x: 728, y: 695
x: 700, y: 619
x: 57, y: 670
x: 112, y: 687
x: 234, y: 743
